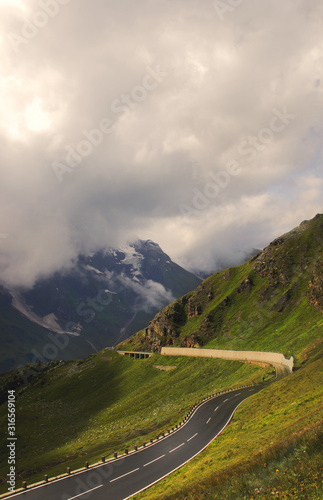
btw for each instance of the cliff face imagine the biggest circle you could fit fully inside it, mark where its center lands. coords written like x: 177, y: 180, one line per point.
x: 165, y: 328
x: 315, y: 293
x: 276, y: 293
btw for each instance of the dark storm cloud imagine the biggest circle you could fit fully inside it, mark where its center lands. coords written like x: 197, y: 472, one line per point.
x: 123, y: 120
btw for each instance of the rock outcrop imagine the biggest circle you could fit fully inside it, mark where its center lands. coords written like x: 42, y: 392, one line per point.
x: 243, y: 301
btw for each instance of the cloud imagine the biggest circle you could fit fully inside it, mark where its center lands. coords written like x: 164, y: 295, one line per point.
x: 170, y: 95
x: 151, y: 295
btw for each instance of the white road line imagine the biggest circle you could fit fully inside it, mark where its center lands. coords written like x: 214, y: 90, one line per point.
x: 192, y: 437
x: 250, y: 390
x: 116, y: 479
x: 177, y: 447
x: 122, y: 459
x: 216, y: 408
x: 238, y: 394
x: 86, y: 492
x: 176, y: 468
x: 154, y: 460
x: 208, y: 420
x: 226, y: 400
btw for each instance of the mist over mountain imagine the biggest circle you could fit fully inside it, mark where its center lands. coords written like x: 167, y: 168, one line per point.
x: 104, y: 298
x: 243, y: 88
x: 196, y: 125
x: 231, y: 259
x: 272, y: 302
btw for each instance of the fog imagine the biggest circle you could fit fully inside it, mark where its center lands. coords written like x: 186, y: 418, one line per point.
x: 192, y: 123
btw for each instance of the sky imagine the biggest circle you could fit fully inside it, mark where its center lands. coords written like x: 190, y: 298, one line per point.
x: 194, y: 123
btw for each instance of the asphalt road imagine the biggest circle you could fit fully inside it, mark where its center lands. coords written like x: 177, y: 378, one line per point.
x: 123, y: 477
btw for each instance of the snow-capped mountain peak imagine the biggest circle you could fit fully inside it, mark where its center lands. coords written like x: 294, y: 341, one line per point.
x: 107, y: 296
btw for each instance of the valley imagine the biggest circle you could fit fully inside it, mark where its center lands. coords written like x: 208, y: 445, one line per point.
x: 72, y: 412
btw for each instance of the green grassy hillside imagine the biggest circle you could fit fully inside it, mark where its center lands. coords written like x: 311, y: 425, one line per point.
x: 78, y: 411
x: 81, y: 410
x: 273, y: 448
x: 273, y: 302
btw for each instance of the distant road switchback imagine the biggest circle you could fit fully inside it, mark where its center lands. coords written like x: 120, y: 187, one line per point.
x: 123, y: 477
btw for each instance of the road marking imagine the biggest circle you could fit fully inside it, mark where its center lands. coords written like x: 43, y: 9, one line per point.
x: 177, y: 447
x: 226, y: 400
x: 238, y: 394
x: 216, y: 408
x: 86, y: 492
x: 208, y: 420
x: 251, y: 390
x: 116, y: 479
x: 192, y: 437
x: 120, y: 460
x: 176, y: 468
x: 154, y: 460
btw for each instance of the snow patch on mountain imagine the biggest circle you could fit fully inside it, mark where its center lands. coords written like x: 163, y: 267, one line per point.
x: 132, y: 257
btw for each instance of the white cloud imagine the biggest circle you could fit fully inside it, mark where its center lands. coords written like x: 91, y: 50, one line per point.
x: 151, y: 295
x: 224, y: 79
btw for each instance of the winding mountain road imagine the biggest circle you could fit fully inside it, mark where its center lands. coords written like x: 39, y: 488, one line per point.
x: 128, y: 475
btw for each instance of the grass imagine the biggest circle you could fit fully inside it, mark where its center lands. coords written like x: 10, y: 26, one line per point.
x: 273, y: 302
x: 127, y: 402
x: 79, y: 411
x: 272, y: 449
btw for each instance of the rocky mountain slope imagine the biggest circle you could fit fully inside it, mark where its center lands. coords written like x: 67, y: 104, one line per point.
x: 103, y: 299
x: 280, y: 290
x: 272, y: 302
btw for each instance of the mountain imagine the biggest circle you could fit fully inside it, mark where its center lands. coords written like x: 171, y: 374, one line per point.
x: 274, y: 442
x: 273, y: 302
x: 104, y: 298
